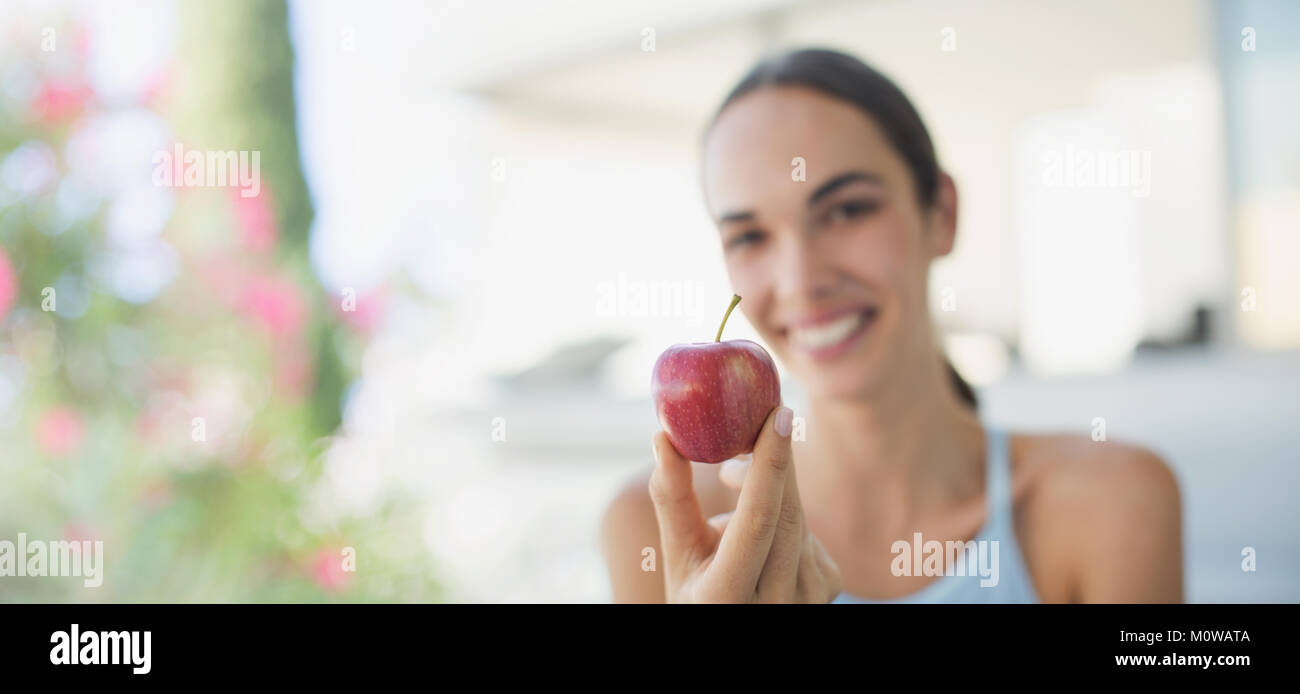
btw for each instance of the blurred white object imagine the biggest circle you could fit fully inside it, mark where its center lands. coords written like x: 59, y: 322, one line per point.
x: 1269, y: 238
x: 1077, y: 187
x: 980, y: 358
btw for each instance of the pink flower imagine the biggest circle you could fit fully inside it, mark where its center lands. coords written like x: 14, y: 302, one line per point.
x: 156, y: 495
x: 256, y: 217
x: 8, y: 284
x: 158, y: 86
x: 293, y: 372
x: 364, y: 317
x: 276, y: 304
x: 146, y: 425
x: 327, y: 570
x: 59, y: 432
x: 59, y: 101
x: 80, y: 531
x: 222, y: 277
x: 81, y: 39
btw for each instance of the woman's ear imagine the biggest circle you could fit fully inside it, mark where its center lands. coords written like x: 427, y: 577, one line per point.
x: 943, y: 216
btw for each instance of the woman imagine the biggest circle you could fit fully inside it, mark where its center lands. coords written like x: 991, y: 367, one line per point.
x: 833, y: 270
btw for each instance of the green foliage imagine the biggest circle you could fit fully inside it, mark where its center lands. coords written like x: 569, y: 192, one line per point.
x: 185, y: 432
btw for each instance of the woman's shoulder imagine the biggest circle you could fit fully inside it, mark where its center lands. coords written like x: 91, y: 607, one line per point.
x: 1071, y: 466
x: 1085, y: 506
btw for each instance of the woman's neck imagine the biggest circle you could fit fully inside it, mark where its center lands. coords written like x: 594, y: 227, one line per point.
x: 889, y: 457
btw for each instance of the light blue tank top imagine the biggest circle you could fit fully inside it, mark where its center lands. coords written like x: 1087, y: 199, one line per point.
x: 1013, y: 584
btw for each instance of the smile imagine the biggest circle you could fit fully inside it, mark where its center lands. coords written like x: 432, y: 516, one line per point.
x: 830, y: 339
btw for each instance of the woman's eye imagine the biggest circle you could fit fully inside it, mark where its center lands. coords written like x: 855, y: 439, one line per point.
x: 745, y: 238
x: 853, y: 209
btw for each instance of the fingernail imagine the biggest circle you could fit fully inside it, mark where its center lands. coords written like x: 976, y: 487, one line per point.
x: 784, y: 421
x: 654, y: 450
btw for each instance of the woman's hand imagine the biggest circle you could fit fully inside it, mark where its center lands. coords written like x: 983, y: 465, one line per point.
x: 762, y: 551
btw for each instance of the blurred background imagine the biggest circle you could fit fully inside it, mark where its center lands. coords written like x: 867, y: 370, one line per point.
x: 425, y: 335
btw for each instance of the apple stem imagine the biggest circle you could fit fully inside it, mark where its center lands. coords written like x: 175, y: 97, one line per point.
x: 735, y: 299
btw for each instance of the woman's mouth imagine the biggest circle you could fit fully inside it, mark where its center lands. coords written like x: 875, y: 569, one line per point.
x: 829, y: 339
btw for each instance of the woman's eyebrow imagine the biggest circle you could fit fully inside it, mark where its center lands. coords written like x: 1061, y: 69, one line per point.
x: 841, y: 180
x: 822, y: 191
x: 743, y: 216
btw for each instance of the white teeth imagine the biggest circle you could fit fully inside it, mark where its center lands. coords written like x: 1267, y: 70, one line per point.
x: 826, y: 335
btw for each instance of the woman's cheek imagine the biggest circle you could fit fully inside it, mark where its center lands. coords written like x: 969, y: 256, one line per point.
x: 753, y: 281
x: 877, y: 251
x: 748, y: 276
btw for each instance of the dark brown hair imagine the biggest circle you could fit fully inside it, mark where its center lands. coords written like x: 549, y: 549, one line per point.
x: 847, y: 78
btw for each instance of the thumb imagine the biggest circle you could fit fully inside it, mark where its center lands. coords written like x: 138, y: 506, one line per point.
x: 681, y: 522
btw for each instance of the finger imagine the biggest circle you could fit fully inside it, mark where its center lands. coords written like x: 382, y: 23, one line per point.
x: 681, y: 523
x: 780, y: 575
x: 810, y: 576
x: 744, y: 547
x: 719, y: 522
x: 733, y: 471
x: 819, y: 577
x: 832, y: 579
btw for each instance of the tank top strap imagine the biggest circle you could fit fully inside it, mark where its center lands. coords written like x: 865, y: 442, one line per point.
x: 997, y: 466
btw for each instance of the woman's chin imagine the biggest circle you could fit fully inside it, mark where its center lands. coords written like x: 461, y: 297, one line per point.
x: 837, y: 383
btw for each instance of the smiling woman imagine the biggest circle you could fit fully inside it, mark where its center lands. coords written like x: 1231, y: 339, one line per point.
x: 833, y: 260
x: 854, y: 184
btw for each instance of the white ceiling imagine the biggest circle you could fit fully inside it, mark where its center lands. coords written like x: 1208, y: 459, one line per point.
x: 467, y: 44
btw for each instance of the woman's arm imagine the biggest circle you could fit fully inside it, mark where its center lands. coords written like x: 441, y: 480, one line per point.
x: 628, y: 527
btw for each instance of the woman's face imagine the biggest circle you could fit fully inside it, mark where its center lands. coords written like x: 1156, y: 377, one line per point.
x: 832, y: 269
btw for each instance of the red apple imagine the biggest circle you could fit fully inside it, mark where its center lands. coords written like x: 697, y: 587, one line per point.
x: 713, y: 397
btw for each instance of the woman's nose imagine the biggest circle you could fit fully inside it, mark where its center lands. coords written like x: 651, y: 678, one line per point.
x: 803, y: 274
